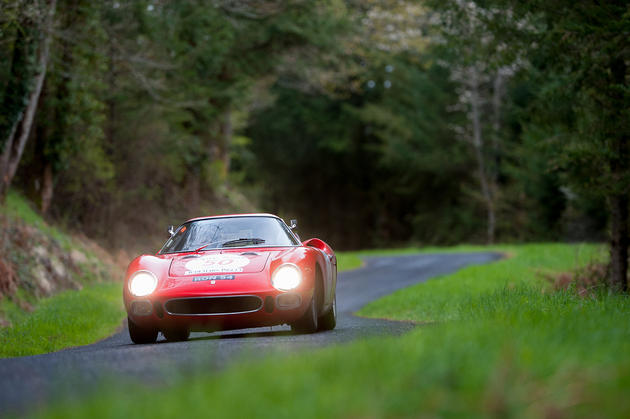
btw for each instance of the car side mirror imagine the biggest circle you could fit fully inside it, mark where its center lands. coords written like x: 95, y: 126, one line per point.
x: 292, y: 224
x: 171, y: 231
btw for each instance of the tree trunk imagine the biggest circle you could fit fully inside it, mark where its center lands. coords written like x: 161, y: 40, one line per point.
x: 477, y: 142
x: 497, y: 95
x: 220, y: 144
x: 619, y: 220
x: 193, y: 190
x: 16, y: 92
x: 15, y: 144
x: 618, y: 199
x: 4, y: 162
x: 226, y: 140
x: 619, y: 242
x: 47, y: 188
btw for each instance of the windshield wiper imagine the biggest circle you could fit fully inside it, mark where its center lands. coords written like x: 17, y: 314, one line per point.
x: 216, y: 231
x: 206, y: 245
x: 252, y: 240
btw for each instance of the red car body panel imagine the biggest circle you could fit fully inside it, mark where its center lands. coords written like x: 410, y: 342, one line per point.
x: 189, y: 275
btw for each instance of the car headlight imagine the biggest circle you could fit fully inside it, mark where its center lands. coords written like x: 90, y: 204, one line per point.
x: 286, y: 277
x: 142, y: 283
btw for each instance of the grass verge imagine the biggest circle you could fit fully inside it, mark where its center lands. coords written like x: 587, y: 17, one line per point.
x: 504, y: 346
x: 55, y: 289
x: 458, y: 295
x: 70, y: 318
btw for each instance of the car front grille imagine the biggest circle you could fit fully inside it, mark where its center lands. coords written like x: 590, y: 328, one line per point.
x: 205, y: 306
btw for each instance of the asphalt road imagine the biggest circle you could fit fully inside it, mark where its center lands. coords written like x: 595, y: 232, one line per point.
x: 28, y: 382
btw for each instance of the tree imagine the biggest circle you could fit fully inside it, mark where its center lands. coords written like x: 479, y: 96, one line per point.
x: 582, y: 48
x: 68, y: 133
x: 17, y: 127
x: 480, y: 63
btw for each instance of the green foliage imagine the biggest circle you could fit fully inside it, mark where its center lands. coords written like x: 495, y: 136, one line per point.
x: 18, y: 43
x: 516, y: 352
x: 391, y: 163
x: 139, y: 102
x: 74, y: 102
x: 583, y: 90
x: 355, y: 114
x: 373, y: 157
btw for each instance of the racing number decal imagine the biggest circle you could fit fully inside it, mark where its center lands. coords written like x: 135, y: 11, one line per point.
x: 216, y: 263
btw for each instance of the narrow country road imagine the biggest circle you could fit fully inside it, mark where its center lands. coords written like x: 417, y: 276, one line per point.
x: 28, y: 382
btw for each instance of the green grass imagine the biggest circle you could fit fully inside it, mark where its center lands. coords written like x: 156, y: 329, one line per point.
x: 498, y: 343
x: 347, y: 261
x: 70, y: 318
x: 17, y: 207
x: 67, y: 319
x: 445, y: 298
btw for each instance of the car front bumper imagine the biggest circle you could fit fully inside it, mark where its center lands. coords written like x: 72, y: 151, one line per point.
x: 220, y: 311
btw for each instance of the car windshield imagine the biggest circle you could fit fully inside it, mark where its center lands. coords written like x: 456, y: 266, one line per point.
x: 229, y: 232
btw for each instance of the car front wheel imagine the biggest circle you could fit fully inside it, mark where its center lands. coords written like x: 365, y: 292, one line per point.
x: 140, y: 334
x: 308, y: 322
x: 176, y: 335
x: 329, y: 320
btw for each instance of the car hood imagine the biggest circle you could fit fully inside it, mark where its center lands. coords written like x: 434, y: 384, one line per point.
x: 220, y: 261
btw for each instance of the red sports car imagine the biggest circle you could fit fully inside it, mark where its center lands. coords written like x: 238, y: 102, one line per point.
x: 231, y: 272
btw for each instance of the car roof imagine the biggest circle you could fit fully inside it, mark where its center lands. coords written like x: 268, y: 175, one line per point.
x: 257, y: 214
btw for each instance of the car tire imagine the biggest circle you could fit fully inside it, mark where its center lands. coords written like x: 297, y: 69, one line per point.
x: 140, y: 334
x: 176, y: 335
x: 329, y: 320
x: 308, y: 322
